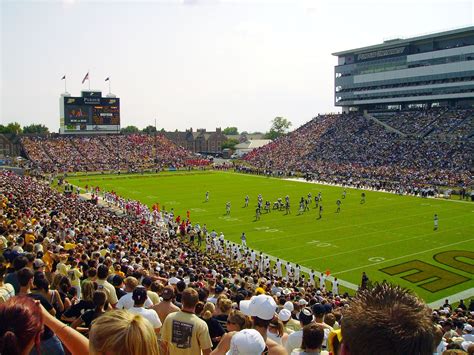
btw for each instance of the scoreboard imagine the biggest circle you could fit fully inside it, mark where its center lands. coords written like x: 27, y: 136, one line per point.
x: 90, y: 113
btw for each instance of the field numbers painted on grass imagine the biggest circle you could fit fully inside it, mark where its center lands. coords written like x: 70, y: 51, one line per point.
x: 267, y: 229
x: 376, y: 259
x: 198, y: 210
x: 319, y: 244
x: 172, y: 203
x: 228, y: 219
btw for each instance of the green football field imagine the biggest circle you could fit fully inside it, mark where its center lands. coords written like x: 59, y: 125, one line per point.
x: 390, y: 237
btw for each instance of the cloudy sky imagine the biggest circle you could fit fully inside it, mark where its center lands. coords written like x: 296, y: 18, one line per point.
x: 197, y: 63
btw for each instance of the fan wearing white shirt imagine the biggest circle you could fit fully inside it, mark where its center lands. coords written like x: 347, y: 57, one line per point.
x: 139, y: 297
x: 126, y: 301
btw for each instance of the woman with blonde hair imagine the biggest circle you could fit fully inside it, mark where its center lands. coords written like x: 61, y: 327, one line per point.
x: 85, y: 304
x: 122, y: 333
x: 276, y: 330
x: 235, y: 323
x: 215, y: 329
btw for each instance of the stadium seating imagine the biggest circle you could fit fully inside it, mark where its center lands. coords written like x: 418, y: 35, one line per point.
x: 351, y: 147
x: 133, y: 152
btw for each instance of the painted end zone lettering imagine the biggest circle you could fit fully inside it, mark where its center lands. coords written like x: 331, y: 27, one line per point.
x: 450, y: 258
x: 424, y: 272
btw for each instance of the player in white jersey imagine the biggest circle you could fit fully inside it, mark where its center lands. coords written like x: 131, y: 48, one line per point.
x: 243, y: 239
x: 311, y: 277
x: 322, y: 279
x: 278, y: 268
x: 335, y: 287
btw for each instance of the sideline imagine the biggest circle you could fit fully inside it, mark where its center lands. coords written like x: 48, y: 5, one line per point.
x: 366, y: 189
x: 453, y: 298
x: 463, y: 295
x: 344, y: 283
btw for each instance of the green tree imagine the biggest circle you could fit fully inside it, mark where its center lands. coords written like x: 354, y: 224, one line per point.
x: 13, y: 127
x: 230, y: 131
x: 149, y: 129
x: 230, y: 143
x: 279, y: 127
x: 130, y: 129
x: 36, y: 129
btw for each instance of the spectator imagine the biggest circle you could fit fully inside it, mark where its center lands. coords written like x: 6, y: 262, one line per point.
x: 102, y: 273
x: 313, y: 335
x: 21, y: 326
x: 122, y: 333
x: 262, y: 310
x: 6, y: 290
x: 183, y: 332
x: 387, y: 320
x: 126, y: 301
x: 99, y: 299
x: 139, y: 298
x: 166, y: 306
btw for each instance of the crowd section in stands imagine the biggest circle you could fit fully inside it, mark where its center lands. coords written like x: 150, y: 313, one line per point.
x: 434, y: 123
x: 347, y: 148
x: 134, y: 152
x: 80, y: 261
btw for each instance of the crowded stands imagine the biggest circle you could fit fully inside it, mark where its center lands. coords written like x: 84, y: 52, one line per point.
x: 352, y: 149
x: 134, y: 152
x: 133, y: 282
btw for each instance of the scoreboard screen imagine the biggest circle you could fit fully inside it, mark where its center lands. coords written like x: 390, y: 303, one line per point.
x: 106, y: 115
x: 91, y: 111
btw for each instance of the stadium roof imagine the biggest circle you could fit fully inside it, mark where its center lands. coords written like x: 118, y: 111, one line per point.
x: 399, y: 41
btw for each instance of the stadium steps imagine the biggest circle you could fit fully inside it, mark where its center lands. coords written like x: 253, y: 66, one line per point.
x: 386, y: 126
x: 50, y: 156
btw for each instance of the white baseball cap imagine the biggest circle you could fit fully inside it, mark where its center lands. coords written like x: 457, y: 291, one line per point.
x: 261, y: 306
x: 289, y: 306
x: 247, y: 342
x: 284, y: 315
x: 302, y: 302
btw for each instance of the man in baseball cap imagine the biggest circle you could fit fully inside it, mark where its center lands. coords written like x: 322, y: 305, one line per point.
x: 247, y: 342
x: 262, y: 310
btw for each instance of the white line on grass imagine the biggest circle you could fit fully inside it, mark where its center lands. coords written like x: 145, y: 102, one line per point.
x: 375, y: 246
x: 403, y: 256
x: 356, y: 188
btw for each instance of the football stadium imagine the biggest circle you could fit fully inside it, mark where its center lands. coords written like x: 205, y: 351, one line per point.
x: 351, y: 234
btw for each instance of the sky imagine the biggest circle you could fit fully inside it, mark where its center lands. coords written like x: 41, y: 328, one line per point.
x: 197, y: 63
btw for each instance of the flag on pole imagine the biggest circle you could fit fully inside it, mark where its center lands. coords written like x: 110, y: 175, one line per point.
x: 85, y: 78
x: 107, y: 78
x: 64, y: 77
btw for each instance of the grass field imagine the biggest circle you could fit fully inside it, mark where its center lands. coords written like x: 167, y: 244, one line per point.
x: 390, y: 237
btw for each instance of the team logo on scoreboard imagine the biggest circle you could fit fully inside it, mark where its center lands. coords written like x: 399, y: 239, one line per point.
x: 112, y: 101
x: 70, y: 101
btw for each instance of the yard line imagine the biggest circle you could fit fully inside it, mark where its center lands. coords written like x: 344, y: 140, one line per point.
x: 374, y: 246
x: 359, y: 189
x: 401, y: 257
x: 364, y: 225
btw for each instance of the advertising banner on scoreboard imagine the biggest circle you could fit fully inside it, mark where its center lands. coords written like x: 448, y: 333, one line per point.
x: 91, y: 111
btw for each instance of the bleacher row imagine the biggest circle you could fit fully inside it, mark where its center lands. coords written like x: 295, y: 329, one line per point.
x: 435, y: 148
x: 349, y: 147
x: 133, y: 152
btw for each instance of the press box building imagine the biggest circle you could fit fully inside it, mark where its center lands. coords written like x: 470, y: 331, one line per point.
x: 425, y: 71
